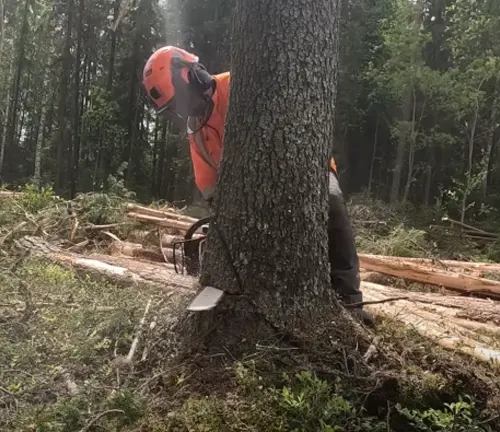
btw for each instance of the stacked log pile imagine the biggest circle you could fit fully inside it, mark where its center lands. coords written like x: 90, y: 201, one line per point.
x: 459, y: 276
x: 469, y: 322
x: 175, y: 222
x: 453, y: 276
x: 170, y: 226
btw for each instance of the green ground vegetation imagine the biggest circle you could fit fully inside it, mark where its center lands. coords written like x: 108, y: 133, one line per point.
x: 64, y: 339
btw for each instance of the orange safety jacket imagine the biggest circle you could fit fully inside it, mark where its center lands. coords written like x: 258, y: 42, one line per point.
x: 206, y: 143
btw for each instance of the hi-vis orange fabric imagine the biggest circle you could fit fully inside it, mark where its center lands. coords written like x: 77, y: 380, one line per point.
x: 206, y: 143
x: 333, y: 165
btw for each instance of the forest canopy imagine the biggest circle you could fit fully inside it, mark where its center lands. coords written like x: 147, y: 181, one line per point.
x: 417, y: 117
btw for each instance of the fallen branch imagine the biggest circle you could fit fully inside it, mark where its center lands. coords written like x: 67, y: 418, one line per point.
x: 468, y: 227
x: 433, y: 276
x: 112, y: 236
x: 371, y: 302
x: 12, y: 395
x: 93, y: 227
x: 74, y: 227
x: 135, y: 342
x: 372, y: 349
x: 96, y: 418
x: 480, y: 237
x: 12, y: 232
x: 78, y: 246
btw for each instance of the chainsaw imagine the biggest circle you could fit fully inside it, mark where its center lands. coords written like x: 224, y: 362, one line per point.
x: 191, y: 256
x: 191, y: 249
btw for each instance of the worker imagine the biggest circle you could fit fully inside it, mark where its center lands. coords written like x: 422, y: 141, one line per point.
x: 178, y: 84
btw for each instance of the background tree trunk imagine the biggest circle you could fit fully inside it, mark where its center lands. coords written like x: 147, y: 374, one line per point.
x: 62, y: 145
x: 268, y: 242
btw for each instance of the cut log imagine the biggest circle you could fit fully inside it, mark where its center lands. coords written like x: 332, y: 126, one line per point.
x: 152, y: 253
x: 432, y: 276
x: 459, y: 323
x: 134, y: 208
x: 143, y: 237
x: 135, y: 250
x: 464, y: 308
x: 160, y: 221
x: 117, y: 269
x: 477, y: 266
x: 448, y: 336
x: 438, y: 324
x: 168, y: 240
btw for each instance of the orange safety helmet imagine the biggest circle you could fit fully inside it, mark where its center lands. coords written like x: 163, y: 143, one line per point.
x: 170, y: 72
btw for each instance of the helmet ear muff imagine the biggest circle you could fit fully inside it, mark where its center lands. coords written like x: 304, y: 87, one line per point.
x: 199, y: 78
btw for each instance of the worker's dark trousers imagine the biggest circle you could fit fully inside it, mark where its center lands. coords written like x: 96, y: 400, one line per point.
x: 344, y: 261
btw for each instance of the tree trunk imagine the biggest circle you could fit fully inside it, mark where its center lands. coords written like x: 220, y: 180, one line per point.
x: 374, y: 155
x: 40, y: 134
x: 400, y: 152
x: 133, y: 93
x: 468, y: 174
x: 74, y: 173
x: 63, y: 99
x: 267, y: 245
x: 161, y: 158
x: 408, y: 114
x: 491, y: 139
x: 154, y: 167
x: 112, y: 50
x: 2, y: 26
x: 106, y: 143
x: 6, y: 116
x: 413, y: 144
x: 429, y: 171
x: 11, y: 125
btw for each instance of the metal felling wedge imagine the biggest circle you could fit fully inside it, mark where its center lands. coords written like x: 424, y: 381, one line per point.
x: 207, y: 299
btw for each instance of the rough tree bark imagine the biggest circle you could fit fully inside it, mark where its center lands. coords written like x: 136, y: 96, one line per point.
x: 267, y: 246
x: 9, y: 138
x: 40, y: 133
x: 374, y: 156
x: 62, y: 145
x: 74, y: 172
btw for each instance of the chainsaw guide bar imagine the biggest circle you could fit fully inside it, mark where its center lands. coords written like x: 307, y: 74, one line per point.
x: 207, y: 299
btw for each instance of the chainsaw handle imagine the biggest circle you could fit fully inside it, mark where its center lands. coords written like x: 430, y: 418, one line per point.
x: 193, y: 228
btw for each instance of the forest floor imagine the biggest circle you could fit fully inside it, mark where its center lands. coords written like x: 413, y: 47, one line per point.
x: 82, y: 351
